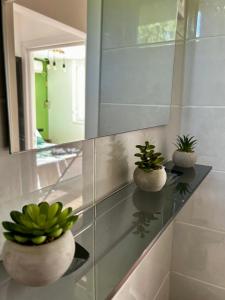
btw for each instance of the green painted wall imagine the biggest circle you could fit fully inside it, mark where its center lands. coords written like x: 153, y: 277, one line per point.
x: 41, y: 92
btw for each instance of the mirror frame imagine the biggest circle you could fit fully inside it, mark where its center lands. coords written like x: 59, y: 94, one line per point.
x: 10, y: 73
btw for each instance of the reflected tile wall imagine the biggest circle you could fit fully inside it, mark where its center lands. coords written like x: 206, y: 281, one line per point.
x: 205, y: 18
x: 48, y: 175
x: 144, y: 22
x: 115, y: 158
x: 137, y: 63
x: 134, y: 75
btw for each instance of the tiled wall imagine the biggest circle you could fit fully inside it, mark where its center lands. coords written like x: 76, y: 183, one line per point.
x: 151, y: 280
x: 137, y: 64
x: 104, y: 164
x: 198, y: 254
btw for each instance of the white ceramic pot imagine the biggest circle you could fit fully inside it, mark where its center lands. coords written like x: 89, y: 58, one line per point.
x: 39, y: 265
x: 150, y: 181
x: 184, y: 159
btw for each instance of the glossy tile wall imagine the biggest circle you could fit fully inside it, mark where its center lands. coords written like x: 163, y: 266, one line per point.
x: 150, y: 280
x: 198, y: 252
x: 137, y: 64
x: 103, y: 165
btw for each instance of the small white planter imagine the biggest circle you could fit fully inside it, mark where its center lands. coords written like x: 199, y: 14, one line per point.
x: 39, y: 265
x: 150, y: 181
x: 184, y: 159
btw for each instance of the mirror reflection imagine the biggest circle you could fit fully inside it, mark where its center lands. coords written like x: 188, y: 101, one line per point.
x: 50, y: 74
x: 78, y: 70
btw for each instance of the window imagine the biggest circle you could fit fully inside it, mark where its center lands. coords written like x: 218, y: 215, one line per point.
x: 78, y: 102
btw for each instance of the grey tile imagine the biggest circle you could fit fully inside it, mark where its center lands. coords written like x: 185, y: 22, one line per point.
x: 187, y: 288
x: 207, y: 125
x: 206, y: 18
x: 138, y: 75
x: 155, y: 266
x: 204, y: 72
x: 122, y: 118
x: 144, y: 22
x: 207, y: 207
x: 199, y: 253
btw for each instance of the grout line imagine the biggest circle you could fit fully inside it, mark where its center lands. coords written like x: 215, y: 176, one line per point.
x: 198, y: 280
x: 217, y: 171
x: 203, y: 106
x: 209, y: 37
x: 142, y: 45
x: 135, y: 104
x: 201, y: 227
x: 83, y: 230
x: 161, y: 285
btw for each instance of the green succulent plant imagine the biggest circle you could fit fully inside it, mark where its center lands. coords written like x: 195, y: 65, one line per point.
x: 186, y: 143
x: 149, y: 159
x: 39, y: 224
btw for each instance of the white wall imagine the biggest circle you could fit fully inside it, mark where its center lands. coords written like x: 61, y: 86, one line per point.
x: 198, y: 263
x: 44, y: 31
x: 112, y: 158
x: 150, y: 280
x: 70, y: 12
x: 62, y: 129
x: 137, y: 64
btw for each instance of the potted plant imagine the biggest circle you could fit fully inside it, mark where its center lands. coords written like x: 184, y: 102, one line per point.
x: 185, y: 155
x: 150, y: 174
x: 39, y: 245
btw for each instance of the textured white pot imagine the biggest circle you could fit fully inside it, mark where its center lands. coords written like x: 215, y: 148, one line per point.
x: 150, y: 181
x: 39, y: 265
x: 184, y: 159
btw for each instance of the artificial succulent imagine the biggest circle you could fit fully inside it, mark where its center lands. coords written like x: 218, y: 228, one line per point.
x: 149, y: 159
x: 39, y: 224
x: 186, y: 143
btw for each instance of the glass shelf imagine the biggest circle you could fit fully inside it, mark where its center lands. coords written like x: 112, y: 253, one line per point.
x: 116, y: 232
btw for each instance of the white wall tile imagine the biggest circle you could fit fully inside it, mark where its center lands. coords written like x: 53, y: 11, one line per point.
x: 208, y: 126
x: 207, y: 206
x: 138, y: 24
x: 208, y: 16
x: 147, y: 278
x: 115, y: 158
x: 138, y: 75
x: 23, y: 181
x: 199, y: 253
x: 205, y: 72
x: 122, y: 118
x: 164, y: 290
x: 187, y: 288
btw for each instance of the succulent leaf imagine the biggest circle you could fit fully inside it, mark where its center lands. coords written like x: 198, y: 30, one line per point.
x: 53, y: 209
x: 33, y: 211
x: 185, y: 143
x: 39, y: 240
x: 65, y: 214
x: 15, y: 216
x: 149, y: 159
x: 44, y: 206
x: 20, y: 239
x: 56, y: 233
x: 38, y: 224
x: 13, y: 227
x: 9, y: 236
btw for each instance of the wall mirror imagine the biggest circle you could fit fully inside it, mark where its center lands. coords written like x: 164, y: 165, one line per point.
x: 78, y: 69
